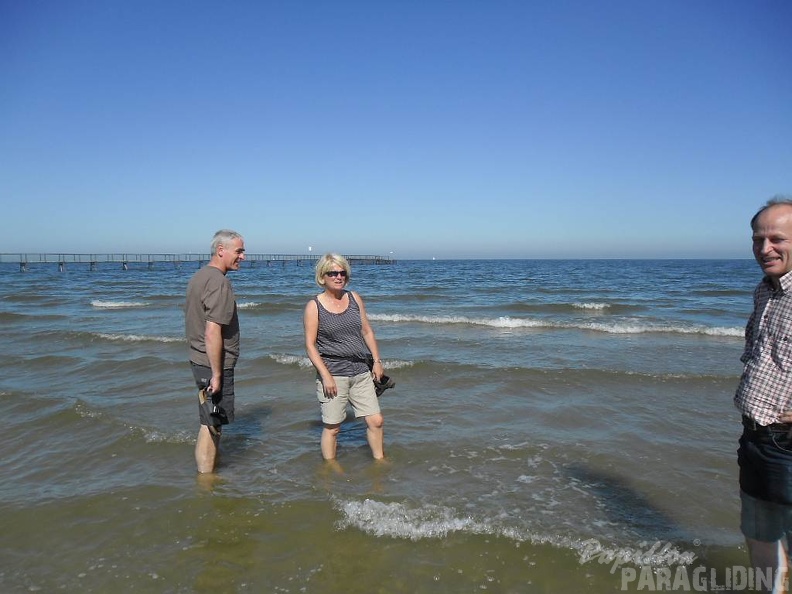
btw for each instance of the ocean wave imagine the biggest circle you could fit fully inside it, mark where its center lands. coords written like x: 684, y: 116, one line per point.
x: 592, y: 306
x: 116, y: 304
x: 248, y: 305
x: 147, y: 434
x: 300, y: 361
x: 270, y: 307
x: 7, y: 316
x: 534, y: 375
x: 397, y: 520
x: 615, y: 327
x: 529, y: 308
x: 12, y: 316
x: 138, y: 338
x: 303, y: 361
x: 156, y: 436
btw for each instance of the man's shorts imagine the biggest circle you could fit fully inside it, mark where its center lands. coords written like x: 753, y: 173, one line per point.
x: 764, y: 520
x: 765, y: 459
x: 223, y: 399
x: 357, y: 390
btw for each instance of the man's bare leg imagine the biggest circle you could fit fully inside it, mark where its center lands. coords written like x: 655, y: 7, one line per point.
x: 769, y: 555
x: 206, y: 450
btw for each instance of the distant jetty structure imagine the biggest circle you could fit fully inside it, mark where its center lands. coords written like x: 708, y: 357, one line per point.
x: 151, y: 261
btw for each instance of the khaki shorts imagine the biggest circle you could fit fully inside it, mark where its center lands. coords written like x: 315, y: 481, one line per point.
x: 357, y: 390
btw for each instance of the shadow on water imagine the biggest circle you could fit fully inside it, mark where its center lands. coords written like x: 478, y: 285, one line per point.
x: 247, y: 431
x: 627, y: 507
x: 677, y: 555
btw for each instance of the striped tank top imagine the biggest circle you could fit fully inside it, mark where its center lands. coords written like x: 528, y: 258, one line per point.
x: 339, y: 340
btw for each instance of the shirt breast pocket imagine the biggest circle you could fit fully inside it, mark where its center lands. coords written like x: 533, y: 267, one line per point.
x: 782, y: 353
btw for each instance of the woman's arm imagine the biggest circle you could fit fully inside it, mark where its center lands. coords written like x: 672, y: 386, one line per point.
x: 311, y: 326
x: 368, y: 337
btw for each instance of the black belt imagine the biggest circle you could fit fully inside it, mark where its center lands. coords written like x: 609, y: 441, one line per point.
x: 749, y: 423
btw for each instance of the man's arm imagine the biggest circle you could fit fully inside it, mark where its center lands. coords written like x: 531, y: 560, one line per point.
x: 214, y: 350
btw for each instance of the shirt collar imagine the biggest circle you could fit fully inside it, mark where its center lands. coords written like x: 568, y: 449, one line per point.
x: 785, y: 283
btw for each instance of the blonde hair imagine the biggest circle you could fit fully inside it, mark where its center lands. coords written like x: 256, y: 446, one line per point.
x: 326, y: 262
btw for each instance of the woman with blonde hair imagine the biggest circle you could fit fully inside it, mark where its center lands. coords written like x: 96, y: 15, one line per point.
x: 340, y: 344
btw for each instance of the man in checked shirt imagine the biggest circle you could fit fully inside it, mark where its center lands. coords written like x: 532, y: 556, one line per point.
x: 764, y: 397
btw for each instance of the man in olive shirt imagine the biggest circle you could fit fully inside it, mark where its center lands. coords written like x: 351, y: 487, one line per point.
x: 212, y: 328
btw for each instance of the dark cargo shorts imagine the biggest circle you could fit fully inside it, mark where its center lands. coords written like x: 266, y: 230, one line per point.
x: 224, y: 400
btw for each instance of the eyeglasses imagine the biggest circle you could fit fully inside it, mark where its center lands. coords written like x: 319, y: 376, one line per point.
x: 335, y: 273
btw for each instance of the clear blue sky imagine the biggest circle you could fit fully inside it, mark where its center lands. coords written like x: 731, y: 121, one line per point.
x: 426, y: 128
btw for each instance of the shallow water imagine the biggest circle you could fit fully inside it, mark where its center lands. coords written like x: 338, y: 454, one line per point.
x: 539, y: 406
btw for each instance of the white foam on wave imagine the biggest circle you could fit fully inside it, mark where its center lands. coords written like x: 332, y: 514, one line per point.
x: 396, y: 364
x: 116, y: 304
x: 291, y: 360
x: 646, y: 328
x: 303, y: 361
x: 248, y: 305
x: 594, y: 306
x: 615, y: 327
x: 86, y: 412
x: 501, y: 322
x: 156, y: 436
x: 396, y: 520
x: 139, y: 338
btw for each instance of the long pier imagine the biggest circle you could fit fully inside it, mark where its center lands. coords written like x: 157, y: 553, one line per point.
x: 150, y: 261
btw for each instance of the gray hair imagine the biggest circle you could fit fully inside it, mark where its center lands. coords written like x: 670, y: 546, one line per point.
x: 778, y: 199
x: 223, y: 237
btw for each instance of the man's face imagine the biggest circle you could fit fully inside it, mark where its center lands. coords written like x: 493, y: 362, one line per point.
x: 772, y: 240
x: 232, y: 255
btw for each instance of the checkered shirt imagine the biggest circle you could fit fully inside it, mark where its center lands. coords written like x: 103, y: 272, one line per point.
x: 765, y: 389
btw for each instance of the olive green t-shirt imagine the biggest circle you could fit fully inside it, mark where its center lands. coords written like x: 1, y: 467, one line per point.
x: 211, y: 298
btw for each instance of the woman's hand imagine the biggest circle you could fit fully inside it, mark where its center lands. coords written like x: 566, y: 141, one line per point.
x: 329, y: 387
x: 377, y: 370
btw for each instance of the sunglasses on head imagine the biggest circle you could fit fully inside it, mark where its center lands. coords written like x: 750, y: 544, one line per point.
x: 335, y: 273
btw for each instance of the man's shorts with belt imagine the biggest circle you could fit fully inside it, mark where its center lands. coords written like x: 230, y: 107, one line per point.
x: 765, y: 459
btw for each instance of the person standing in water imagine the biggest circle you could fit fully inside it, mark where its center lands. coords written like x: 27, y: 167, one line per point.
x: 764, y: 398
x: 212, y: 328
x: 340, y: 344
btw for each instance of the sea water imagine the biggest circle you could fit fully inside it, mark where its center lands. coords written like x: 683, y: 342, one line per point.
x: 549, y: 418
